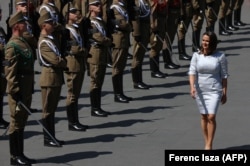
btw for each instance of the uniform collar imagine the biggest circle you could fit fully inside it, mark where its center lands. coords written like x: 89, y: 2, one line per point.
x: 98, y: 18
x: 75, y: 25
x: 50, y: 37
x: 51, y: 4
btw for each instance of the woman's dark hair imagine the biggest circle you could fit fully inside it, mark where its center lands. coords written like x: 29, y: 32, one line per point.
x: 213, y: 41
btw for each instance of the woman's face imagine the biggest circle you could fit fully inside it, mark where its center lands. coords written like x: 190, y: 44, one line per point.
x: 205, y: 42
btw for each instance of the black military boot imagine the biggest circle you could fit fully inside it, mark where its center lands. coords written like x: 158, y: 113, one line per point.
x: 49, y: 124
x: 95, y: 100
x: 154, y: 67
x: 196, y: 40
x: 182, y: 50
x: 168, y: 63
x: 237, y: 18
x: 120, y: 79
x: 222, y: 30
x: 137, y: 78
x: 16, y: 157
x: 229, y: 23
x: 73, y: 119
x: 118, y: 89
x: 3, y: 123
x: 21, y: 148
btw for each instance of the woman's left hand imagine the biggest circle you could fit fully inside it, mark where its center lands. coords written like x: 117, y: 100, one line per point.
x: 223, y: 99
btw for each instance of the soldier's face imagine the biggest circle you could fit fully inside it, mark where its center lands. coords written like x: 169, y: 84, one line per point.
x: 95, y: 7
x: 49, y: 26
x: 73, y: 16
x: 22, y: 26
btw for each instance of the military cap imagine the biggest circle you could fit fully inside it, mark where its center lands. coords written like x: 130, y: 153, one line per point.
x: 92, y: 2
x: 16, y: 18
x: 46, y: 17
x: 19, y: 2
x: 70, y: 7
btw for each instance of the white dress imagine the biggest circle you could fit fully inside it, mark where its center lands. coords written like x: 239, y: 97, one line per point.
x: 209, y: 71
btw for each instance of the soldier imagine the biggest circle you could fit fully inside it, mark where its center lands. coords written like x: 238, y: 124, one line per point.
x: 97, y: 58
x: 76, y: 69
x: 229, y: 16
x: 105, y: 14
x: 22, y: 5
x: 3, y: 123
x: 179, y: 17
x: 19, y: 71
x: 211, y: 12
x: 158, y: 23
x: 120, y: 49
x: 60, y: 33
x: 237, y: 13
x: 222, y: 18
x: 197, y: 21
x: 51, y: 78
x: 140, y: 45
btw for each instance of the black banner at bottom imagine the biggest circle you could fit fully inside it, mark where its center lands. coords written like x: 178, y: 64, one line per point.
x: 207, y: 157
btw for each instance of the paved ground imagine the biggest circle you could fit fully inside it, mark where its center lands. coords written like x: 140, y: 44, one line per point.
x: 164, y: 117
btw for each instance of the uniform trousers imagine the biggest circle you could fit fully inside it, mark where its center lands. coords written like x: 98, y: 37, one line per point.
x: 182, y: 29
x: 224, y: 7
x: 18, y: 115
x: 97, y: 75
x: 119, y: 59
x: 198, y: 17
x: 212, y: 13
x: 50, y: 98
x: 74, y: 82
x: 138, y: 50
x: 172, y: 24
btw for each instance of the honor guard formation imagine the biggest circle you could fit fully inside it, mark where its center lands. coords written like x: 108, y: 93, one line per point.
x: 71, y: 37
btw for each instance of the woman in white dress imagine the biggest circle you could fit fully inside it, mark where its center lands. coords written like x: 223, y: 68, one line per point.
x: 208, y: 84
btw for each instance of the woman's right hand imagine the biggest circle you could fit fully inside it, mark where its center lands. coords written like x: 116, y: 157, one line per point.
x: 193, y: 92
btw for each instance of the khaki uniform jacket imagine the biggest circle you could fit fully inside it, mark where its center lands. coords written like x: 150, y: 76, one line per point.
x: 100, y: 42
x: 75, y: 57
x: 157, y: 17
x: 52, y: 75
x: 121, y: 34
x: 20, y: 60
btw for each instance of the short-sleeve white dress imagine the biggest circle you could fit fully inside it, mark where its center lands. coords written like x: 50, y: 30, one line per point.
x: 209, y: 71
